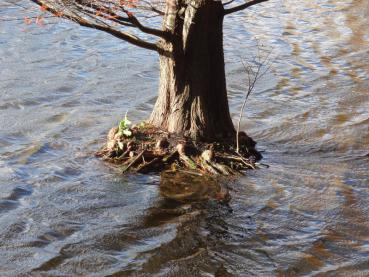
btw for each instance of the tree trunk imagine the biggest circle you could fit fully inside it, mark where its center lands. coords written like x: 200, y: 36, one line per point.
x: 192, y: 93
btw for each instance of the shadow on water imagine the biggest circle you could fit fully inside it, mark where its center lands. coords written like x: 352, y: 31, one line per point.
x: 173, y: 236
x: 194, y: 219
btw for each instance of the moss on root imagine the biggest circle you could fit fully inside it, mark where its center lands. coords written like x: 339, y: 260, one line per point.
x: 148, y: 149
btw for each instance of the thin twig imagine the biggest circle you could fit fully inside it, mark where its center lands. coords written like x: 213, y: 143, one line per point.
x: 134, y: 161
x: 252, y: 77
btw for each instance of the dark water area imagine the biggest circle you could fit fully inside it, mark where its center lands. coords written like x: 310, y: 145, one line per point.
x: 65, y: 213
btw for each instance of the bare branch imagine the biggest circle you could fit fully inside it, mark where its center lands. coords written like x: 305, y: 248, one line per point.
x: 102, y: 27
x: 243, y: 6
x: 95, y: 12
x: 147, y: 30
x: 106, y: 12
x: 228, y: 2
x: 254, y: 73
x: 151, y: 7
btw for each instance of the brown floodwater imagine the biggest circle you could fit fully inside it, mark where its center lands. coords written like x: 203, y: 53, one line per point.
x: 65, y: 213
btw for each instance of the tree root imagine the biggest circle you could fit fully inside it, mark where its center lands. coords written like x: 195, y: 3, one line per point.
x: 149, y: 149
x: 133, y: 161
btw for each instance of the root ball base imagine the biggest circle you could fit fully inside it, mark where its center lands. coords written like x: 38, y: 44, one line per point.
x: 151, y: 150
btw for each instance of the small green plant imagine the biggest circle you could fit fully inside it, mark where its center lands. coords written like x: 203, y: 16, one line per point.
x: 123, y: 128
x: 142, y: 125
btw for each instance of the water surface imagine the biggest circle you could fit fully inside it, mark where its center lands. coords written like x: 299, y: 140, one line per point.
x: 65, y: 213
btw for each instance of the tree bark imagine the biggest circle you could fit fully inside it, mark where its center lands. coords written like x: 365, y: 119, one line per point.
x: 192, y: 97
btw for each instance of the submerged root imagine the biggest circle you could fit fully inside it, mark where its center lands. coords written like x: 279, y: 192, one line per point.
x: 150, y: 149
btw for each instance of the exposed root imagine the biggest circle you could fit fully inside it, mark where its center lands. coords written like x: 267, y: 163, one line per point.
x: 133, y: 161
x: 150, y: 149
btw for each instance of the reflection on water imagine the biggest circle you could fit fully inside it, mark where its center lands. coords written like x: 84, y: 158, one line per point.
x: 64, y: 213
